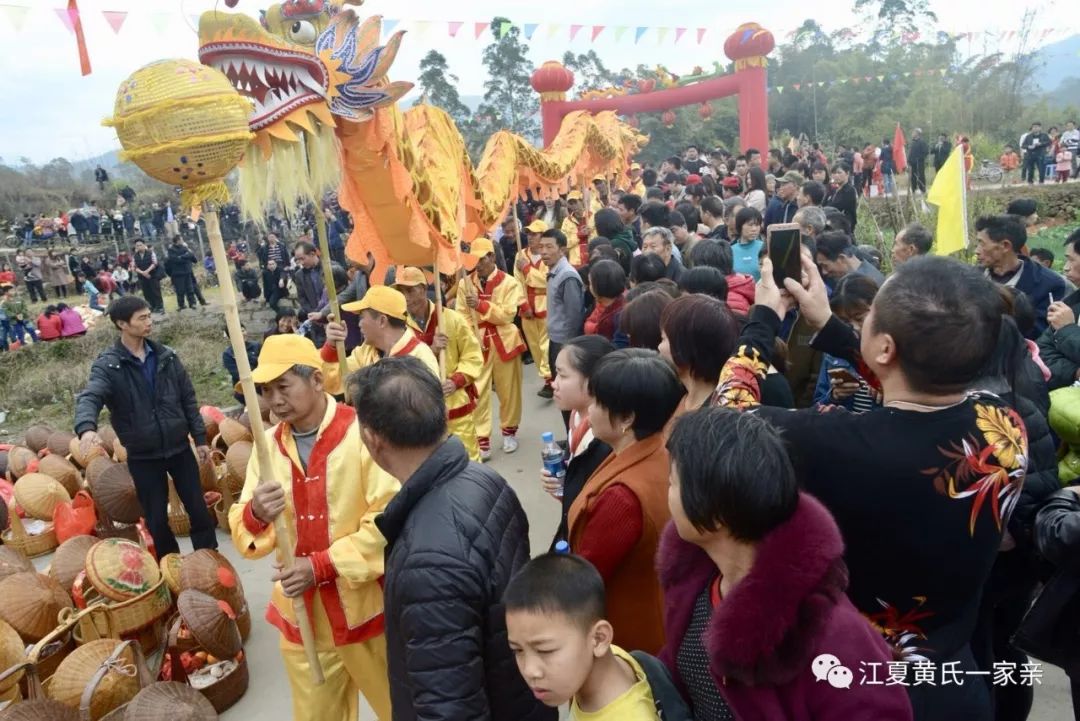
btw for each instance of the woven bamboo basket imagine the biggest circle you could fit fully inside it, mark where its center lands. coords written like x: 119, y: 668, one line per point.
x: 31, y: 604
x: 77, y: 456
x: 97, y: 677
x: 170, y: 570
x: 70, y: 560
x: 179, y: 520
x: 108, y: 528
x: 119, y: 452
x: 63, y: 471
x: 211, y: 424
x: 37, y: 437
x: 170, y: 700
x: 244, y: 420
x: 12, y: 653
x: 42, y: 709
x: 121, y: 570
x: 114, y: 494
x: 225, y: 691
x: 97, y: 466
x: 108, y: 438
x: 12, y: 561
x: 236, y: 461
x: 140, y: 619
x: 30, y: 546
x: 228, y: 498
x: 39, y: 495
x: 232, y: 431
x: 59, y: 442
x: 210, y: 572
x: 21, y: 460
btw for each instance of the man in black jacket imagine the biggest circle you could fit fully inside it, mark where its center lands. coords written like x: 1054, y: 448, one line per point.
x: 455, y: 535
x: 179, y: 265
x: 1033, y: 146
x: 916, y: 157
x: 942, y: 150
x: 149, y: 275
x: 153, y: 410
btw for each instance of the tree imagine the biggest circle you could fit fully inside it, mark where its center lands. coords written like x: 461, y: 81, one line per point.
x: 590, y: 73
x: 509, y: 100
x: 895, y: 17
x: 439, y: 87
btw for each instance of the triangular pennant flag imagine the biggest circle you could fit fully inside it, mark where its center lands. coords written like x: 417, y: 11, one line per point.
x: 854, y: 81
x: 661, y: 34
x: 880, y: 78
x: 596, y: 30
x: 66, y: 18
x: 115, y: 18
x: 796, y: 85
x: 638, y: 32
x: 16, y: 15
x: 620, y: 30
x: 530, y: 28
x: 453, y: 26
x: 553, y: 30
x: 943, y: 71
x: 389, y: 25
x: 160, y: 22
x: 422, y: 27
x: 679, y: 32
x: 820, y: 83
x: 700, y: 35
x: 574, y: 30
x: 779, y: 89
x: 868, y: 78
x: 843, y: 81
x: 907, y: 74
x: 479, y: 29
x: 504, y: 28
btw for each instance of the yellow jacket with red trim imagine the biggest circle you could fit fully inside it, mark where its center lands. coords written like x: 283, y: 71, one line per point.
x: 534, y: 280
x: 499, y: 300
x: 334, y: 503
x: 366, y: 354
x: 574, y: 246
x: 464, y: 359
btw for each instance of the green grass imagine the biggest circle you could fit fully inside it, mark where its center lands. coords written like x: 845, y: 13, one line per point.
x: 1053, y: 239
x: 41, y: 381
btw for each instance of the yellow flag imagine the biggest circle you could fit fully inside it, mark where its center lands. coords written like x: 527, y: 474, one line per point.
x: 949, y: 194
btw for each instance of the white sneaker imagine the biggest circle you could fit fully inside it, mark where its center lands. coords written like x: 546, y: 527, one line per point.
x: 510, y: 444
x: 485, y: 455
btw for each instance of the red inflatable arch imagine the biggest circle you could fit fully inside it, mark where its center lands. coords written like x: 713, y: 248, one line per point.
x: 748, y: 46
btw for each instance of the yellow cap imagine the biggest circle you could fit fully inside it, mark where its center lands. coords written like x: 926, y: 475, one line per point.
x: 408, y: 276
x: 635, y: 166
x: 382, y: 299
x: 478, y: 248
x: 537, y: 226
x: 279, y: 353
x: 599, y: 177
x: 575, y: 195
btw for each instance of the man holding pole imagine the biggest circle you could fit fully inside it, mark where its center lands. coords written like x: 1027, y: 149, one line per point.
x: 531, y: 273
x: 334, y: 491
x: 448, y: 334
x: 491, y: 298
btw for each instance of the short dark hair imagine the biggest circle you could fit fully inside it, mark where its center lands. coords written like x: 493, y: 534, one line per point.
x: 834, y: 243
x: 608, y: 223
x: 306, y: 247
x: 751, y: 152
x: 714, y: 254
x: 689, y: 213
x: 638, y: 382
x: 945, y: 318
x: 654, y: 193
x: 713, y: 206
x: 919, y: 236
x: 648, y: 176
x: 656, y: 214
x: 557, y: 583
x: 733, y: 472
x: 1074, y: 241
x: 607, y: 278
x: 744, y: 216
x: 676, y: 220
x: 706, y: 280
x: 645, y: 267
x: 1000, y: 228
x: 640, y: 319
x: 558, y: 235
x: 815, y: 191
x: 585, y: 352
x: 630, y: 201
x: 400, y: 399
x: 841, y: 165
x: 1022, y: 207
x: 122, y: 309
x: 701, y: 334
x: 836, y: 220
x: 675, y: 161
x: 854, y: 295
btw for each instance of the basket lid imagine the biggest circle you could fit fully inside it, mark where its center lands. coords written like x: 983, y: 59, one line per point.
x: 172, y: 701
x: 39, y: 495
x: 70, y: 560
x: 32, y: 603
x: 61, y: 470
x: 37, y: 437
x: 208, y: 571
x: 12, y: 651
x: 39, y: 710
x: 114, y: 491
x: 20, y: 460
x: 60, y: 442
x: 170, y: 570
x: 210, y: 624
x: 120, y: 569
x: 78, y: 669
x: 11, y: 561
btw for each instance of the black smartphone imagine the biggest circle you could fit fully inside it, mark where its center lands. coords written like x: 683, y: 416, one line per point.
x: 784, y: 241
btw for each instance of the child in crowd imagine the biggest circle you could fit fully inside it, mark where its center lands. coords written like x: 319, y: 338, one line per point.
x: 1010, y: 163
x: 555, y: 623
x: 18, y: 318
x: 1064, y: 160
x: 49, y: 324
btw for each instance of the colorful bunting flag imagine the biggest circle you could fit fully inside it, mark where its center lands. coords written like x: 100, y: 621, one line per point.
x: 389, y: 25
x: 116, y: 19
x: 639, y: 32
x: 574, y: 30
x: 880, y: 78
x: 453, y: 27
x: 530, y: 28
x: 422, y: 27
x: 16, y: 15
x: 160, y: 22
x: 596, y: 30
x: 796, y: 85
x: 553, y: 30
x: 779, y: 89
x: 504, y: 28
x: 661, y: 34
x: 479, y: 28
x: 700, y: 35
x: 679, y: 32
x: 620, y: 30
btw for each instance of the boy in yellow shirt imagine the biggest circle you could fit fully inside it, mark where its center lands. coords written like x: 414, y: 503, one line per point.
x: 556, y: 628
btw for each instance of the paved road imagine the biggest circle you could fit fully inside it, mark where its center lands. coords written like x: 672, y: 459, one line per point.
x: 268, y: 696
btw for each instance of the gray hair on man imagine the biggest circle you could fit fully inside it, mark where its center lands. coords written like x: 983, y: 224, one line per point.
x: 666, y: 235
x: 811, y: 217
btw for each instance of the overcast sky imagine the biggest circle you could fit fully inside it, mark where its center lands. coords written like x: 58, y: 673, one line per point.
x: 50, y: 110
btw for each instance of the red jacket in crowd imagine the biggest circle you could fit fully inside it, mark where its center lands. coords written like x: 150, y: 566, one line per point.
x: 49, y: 326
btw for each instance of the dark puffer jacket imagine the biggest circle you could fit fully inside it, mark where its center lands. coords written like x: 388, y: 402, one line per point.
x: 455, y: 535
x: 151, y: 426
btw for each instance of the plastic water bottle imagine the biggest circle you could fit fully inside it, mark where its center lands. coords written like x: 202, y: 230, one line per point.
x: 554, y: 462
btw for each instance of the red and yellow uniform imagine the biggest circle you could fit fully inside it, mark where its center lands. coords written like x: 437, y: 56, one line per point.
x: 499, y: 297
x: 334, y: 500
x: 532, y: 274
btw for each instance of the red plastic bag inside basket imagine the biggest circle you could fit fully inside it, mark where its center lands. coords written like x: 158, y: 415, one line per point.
x: 76, y: 518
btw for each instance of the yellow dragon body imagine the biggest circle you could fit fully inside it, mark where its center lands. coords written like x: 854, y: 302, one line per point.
x: 405, y: 177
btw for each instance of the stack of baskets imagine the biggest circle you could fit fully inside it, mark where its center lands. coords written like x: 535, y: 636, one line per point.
x: 205, y: 649
x: 211, y: 573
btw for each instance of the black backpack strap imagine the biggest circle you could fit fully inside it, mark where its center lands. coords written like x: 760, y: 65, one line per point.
x: 670, y: 705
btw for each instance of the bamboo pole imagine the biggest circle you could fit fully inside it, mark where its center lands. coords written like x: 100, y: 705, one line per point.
x: 328, y: 273
x: 282, y: 530
x: 438, y: 311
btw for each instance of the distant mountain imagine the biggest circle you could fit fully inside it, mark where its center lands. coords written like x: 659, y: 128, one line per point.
x: 109, y: 161
x: 1060, y: 61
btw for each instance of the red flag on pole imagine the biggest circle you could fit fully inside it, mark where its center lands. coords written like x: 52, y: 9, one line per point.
x: 899, y: 150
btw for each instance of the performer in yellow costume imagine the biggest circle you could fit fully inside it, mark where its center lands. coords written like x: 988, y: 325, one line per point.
x: 384, y: 323
x: 637, y: 185
x: 449, y: 331
x: 531, y: 273
x: 334, y: 491
x: 577, y: 227
x: 490, y: 299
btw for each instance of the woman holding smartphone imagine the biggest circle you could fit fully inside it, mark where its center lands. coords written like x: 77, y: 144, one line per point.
x: 839, y: 383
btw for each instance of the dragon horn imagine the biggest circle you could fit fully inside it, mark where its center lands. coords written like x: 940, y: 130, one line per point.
x: 389, y: 54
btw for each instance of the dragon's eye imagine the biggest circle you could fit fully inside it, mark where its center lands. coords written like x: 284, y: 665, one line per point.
x: 302, y: 32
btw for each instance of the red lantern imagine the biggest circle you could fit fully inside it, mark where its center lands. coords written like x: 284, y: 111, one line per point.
x: 668, y: 118
x: 552, y: 80
x: 646, y: 86
x: 704, y: 111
